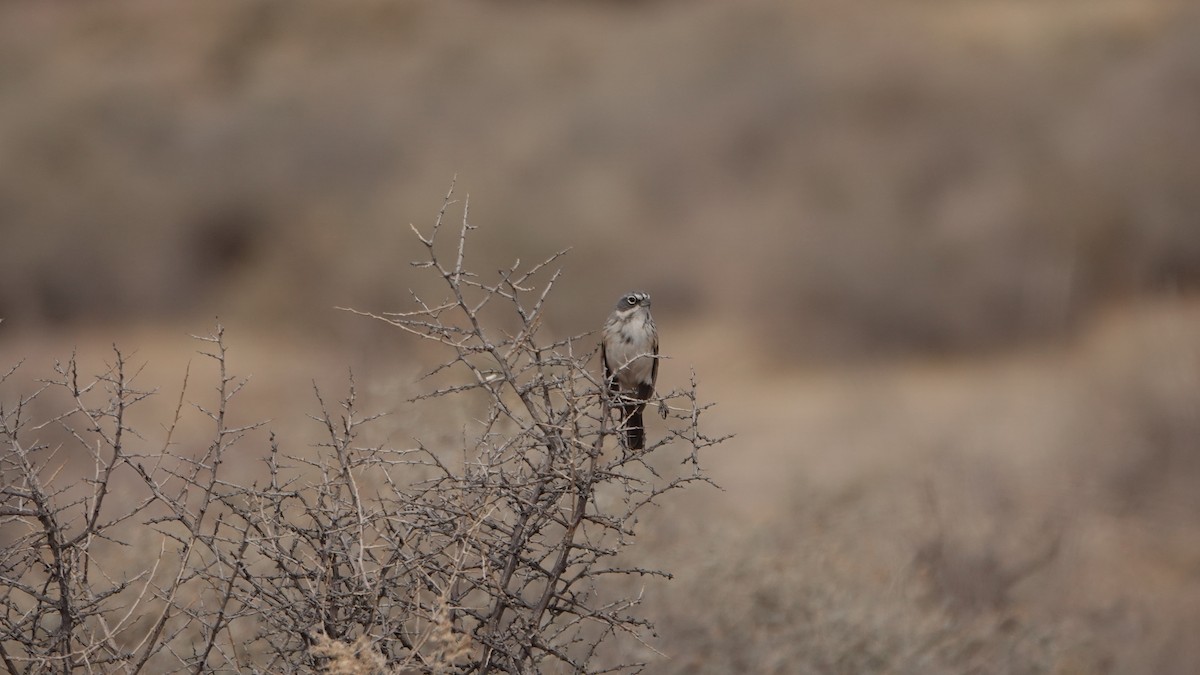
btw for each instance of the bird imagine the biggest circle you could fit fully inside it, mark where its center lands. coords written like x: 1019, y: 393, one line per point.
x: 629, y: 352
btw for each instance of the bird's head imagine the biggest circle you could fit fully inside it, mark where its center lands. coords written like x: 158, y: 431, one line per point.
x: 633, y: 300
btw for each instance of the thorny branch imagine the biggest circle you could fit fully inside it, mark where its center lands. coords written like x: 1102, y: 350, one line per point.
x: 495, y: 555
x: 545, y: 449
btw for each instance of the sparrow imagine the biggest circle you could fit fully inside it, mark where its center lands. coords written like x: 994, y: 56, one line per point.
x: 629, y: 351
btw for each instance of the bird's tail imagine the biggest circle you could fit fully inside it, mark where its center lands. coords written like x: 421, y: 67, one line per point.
x: 635, y: 432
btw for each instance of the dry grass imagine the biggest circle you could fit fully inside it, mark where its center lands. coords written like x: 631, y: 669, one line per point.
x: 958, y: 238
x: 359, y: 658
x: 1030, y: 513
x: 1020, y: 514
x: 830, y: 164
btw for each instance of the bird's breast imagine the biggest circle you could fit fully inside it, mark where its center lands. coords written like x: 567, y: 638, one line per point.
x: 629, y: 347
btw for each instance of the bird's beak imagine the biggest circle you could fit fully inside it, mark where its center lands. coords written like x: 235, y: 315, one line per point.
x: 646, y: 301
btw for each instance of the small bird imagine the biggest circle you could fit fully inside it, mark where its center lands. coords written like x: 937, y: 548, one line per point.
x: 629, y: 351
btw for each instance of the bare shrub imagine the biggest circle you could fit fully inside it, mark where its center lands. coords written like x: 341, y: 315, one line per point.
x: 493, y: 555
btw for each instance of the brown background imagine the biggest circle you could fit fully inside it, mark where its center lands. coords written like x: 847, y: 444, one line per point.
x: 935, y: 260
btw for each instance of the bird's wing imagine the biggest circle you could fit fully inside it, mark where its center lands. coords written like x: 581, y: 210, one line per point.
x: 654, y: 368
x: 608, y: 376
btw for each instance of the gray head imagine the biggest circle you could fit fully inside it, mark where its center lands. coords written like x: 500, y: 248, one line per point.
x: 633, y: 299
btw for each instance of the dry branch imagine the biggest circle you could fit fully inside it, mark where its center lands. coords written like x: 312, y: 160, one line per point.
x: 492, y: 556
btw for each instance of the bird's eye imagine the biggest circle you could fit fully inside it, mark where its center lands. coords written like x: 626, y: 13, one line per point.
x: 631, y: 299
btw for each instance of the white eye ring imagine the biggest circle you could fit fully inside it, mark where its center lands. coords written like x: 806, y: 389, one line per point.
x: 631, y: 299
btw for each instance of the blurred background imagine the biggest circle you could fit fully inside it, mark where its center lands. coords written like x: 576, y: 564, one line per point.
x: 936, y: 260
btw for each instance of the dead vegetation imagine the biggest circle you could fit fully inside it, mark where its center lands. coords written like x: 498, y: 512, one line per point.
x: 495, y: 556
x: 832, y: 163
x: 938, y: 260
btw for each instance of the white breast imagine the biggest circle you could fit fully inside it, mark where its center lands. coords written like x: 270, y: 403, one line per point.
x: 629, y: 347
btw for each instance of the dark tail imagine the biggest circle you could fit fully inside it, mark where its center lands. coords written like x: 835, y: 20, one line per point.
x: 635, y: 432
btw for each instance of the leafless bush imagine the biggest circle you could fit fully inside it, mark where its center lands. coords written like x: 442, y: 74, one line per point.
x: 492, y: 556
